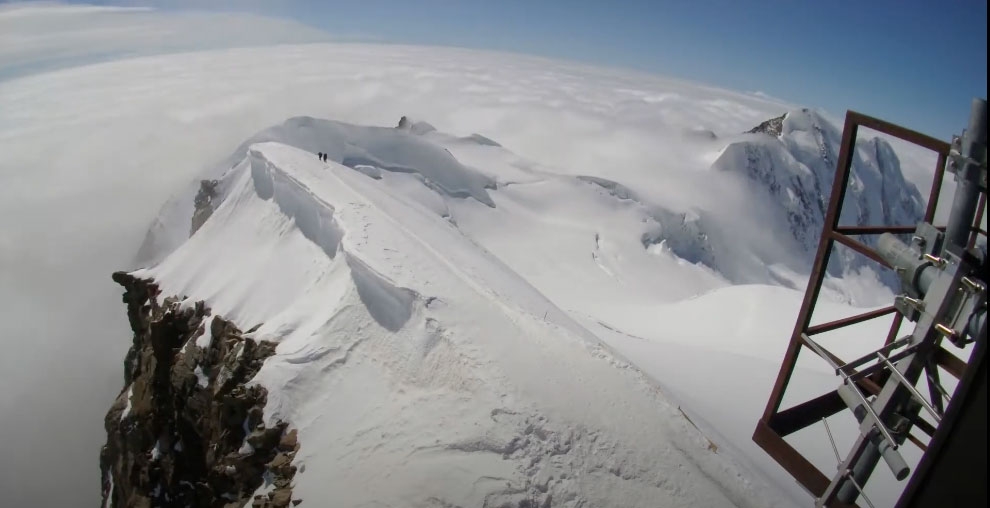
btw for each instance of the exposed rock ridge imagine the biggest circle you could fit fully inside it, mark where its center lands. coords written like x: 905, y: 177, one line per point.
x: 203, y: 204
x: 187, y: 429
x: 772, y: 127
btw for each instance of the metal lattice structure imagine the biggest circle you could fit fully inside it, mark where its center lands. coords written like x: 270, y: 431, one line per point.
x: 940, y: 286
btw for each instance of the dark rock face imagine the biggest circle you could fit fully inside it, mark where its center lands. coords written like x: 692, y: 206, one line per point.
x: 187, y: 429
x: 203, y: 204
x: 414, y: 127
x: 772, y: 127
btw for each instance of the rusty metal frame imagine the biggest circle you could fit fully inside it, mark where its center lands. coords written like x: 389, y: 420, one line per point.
x: 775, y: 424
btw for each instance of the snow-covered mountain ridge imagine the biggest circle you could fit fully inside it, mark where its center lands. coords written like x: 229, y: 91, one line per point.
x: 449, y: 301
x: 417, y: 368
x: 790, y: 175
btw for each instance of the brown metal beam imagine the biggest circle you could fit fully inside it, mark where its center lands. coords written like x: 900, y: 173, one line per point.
x: 895, y: 328
x: 803, y: 471
x: 950, y: 362
x: 859, y: 247
x: 911, y: 136
x: 836, y: 197
x: 917, y: 442
x: 943, y: 154
x: 851, y: 320
x: 923, y: 426
x: 874, y: 230
x: 806, y: 413
x: 879, y: 230
x: 940, y: 147
x: 812, y: 411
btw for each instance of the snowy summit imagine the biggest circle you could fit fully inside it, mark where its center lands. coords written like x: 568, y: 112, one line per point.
x: 415, y: 367
x: 440, y: 322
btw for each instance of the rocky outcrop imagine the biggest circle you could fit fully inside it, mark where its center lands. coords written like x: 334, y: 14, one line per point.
x: 203, y: 204
x: 772, y: 127
x: 414, y: 127
x: 187, y: 429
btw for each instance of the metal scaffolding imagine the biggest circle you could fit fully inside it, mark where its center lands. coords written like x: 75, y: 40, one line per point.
x: 943, y: 292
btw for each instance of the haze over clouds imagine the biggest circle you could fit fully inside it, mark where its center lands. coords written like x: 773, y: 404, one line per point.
x: 94, y: 140
x: 41, y: 36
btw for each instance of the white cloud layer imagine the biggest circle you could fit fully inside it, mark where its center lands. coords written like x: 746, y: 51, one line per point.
x: 44, y: 36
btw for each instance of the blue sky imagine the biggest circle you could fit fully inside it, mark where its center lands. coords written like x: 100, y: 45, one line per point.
x: 912, y: 62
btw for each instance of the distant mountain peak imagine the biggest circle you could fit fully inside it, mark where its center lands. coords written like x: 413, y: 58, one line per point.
x: 793, y: 120
x: 772, y: 127
x: 796, y: 169
x: 414, y: 126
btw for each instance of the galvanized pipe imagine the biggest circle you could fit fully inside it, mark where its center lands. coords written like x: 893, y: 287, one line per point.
x: 907, y: 384
x: 972, y: 147
x: 877, y: 446
x: 916, y: 272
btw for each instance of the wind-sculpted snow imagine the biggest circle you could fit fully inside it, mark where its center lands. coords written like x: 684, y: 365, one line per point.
x: 368, y: 150
x: 481, y: 140
x: 390, y: 306
x: 687, y: 236
x: 389, y: 149
x: 419, y: 369
x: 313, y: 218
x: 614, y: 188
x: 684, y: 234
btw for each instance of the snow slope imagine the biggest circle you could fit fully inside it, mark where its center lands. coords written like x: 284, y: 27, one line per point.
x: 373, y: 148
x: 419, y: 369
